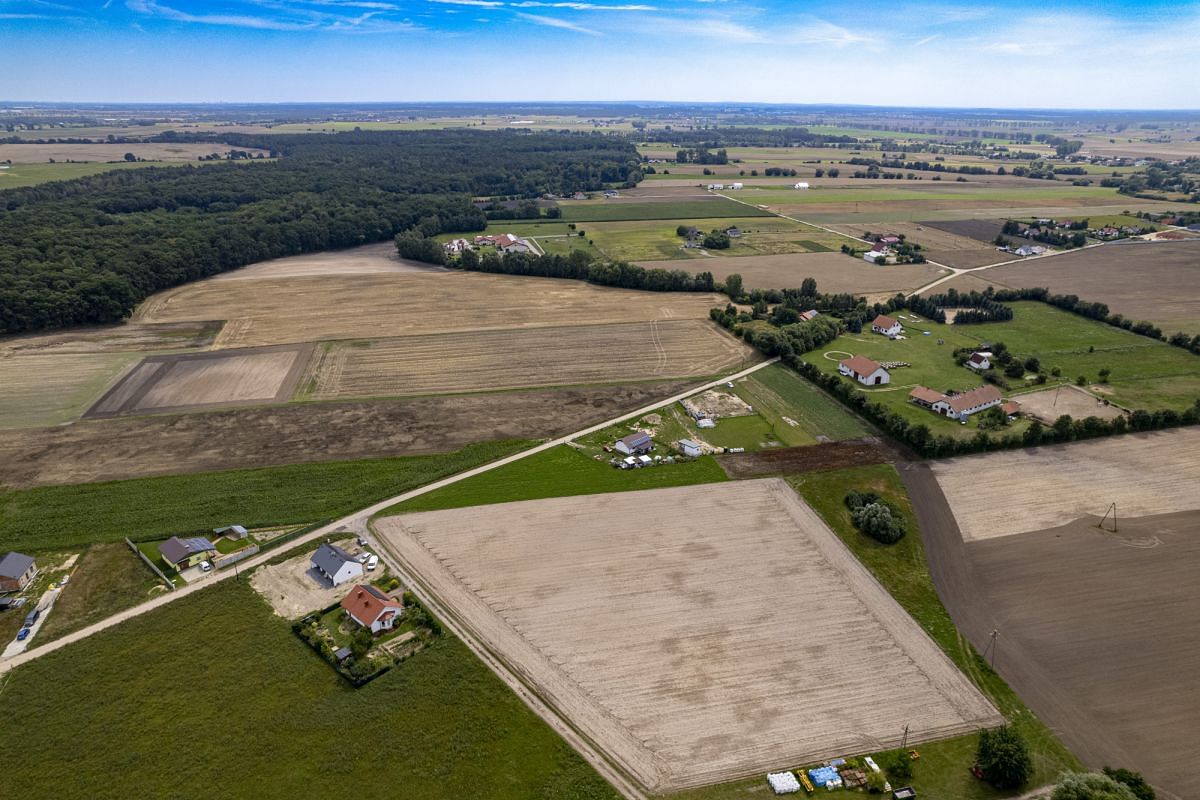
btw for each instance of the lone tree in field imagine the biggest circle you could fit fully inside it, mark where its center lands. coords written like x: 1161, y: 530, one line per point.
x: 1090, y: 786
x: 733, y: 286
x: 1104, y: 373
x: 1003, y: 757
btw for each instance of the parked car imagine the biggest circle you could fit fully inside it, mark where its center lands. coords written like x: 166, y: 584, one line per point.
x: 362, y: 557
x: 206, y: 566
x: 372, y: 562
x: 362, y: 542
x: 32, y: 617
x: 65, y: 579
x: 23, y: 635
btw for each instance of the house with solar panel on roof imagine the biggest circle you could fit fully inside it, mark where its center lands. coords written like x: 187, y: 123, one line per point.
x: 336, y: 565
x: 184, y: 553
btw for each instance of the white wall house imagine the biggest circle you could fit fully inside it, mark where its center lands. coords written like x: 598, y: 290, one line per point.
x: 335, y: 564
x: 865, y: 371
x: 887, y: 326
x: 979, y: 361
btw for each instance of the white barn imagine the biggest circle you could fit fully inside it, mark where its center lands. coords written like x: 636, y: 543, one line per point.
x: 865, y: 371
x: 887, y: 326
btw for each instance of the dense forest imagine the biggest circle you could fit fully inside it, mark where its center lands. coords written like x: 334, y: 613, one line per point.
x: 87, y: 251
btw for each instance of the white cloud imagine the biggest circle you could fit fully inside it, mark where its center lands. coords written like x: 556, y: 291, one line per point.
x: 555, y: 22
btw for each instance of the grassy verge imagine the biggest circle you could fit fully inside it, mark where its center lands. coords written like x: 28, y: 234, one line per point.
x: 108, y: 579
x: 216, y: 671
x: 942, y: 771
x: 559, y: 472
x: 147, y: 508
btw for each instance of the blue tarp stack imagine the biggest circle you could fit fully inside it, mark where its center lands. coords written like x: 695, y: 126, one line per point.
x: 823, y: 776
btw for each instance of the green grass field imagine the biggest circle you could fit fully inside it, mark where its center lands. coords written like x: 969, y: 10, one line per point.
x: 558, y: 472
x: 147, y: 508
x: 609, y: 211
x: 19, y: 175
x: 108, y: 578
x: 945, y: 190
x: 651, y: 240
x: 214, y: 695
x: 1146, y: 373
x: 784, y: 393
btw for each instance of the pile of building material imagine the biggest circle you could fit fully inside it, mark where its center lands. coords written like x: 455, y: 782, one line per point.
x: 783, y: 782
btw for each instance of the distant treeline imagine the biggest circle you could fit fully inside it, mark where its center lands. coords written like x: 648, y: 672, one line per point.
x: 714, y: 138
x: 87, y: 251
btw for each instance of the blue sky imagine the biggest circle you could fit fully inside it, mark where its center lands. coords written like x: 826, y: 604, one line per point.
x: 1026, y: 54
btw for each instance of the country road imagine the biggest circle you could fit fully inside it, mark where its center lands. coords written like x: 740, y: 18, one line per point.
x: 356, y: 521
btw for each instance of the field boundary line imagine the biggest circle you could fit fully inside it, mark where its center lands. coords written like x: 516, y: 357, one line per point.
x: 357, y: 520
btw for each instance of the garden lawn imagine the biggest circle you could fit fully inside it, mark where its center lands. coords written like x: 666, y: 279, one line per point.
x: 157, y: 508
x: 942, y: 771
x: 652, y: 240
x: 559, y: 472
x: 217, y: 676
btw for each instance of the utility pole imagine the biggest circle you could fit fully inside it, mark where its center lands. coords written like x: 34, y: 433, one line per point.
x: 992, y: 647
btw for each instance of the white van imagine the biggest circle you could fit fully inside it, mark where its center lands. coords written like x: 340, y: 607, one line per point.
x: 372, y: 562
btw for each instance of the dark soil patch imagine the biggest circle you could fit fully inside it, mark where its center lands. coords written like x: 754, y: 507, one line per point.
x: 983, y: 230
x: 810, y: 458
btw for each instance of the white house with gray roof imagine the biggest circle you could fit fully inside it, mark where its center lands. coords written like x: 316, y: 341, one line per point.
x: 16, y: 571
x: 336, y: 565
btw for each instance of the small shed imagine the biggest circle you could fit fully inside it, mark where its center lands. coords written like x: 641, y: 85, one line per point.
x: 706, y: 422
x: 689, y: 448
x: 235, y: 532
x: 341, y: 654
x: 634, y: 443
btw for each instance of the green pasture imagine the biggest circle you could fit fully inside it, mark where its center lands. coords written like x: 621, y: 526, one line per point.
x: 219, y: 677
x: 559, y: 472
x: 652, y: 240
x: 18, y: 175
x: 611, y: 211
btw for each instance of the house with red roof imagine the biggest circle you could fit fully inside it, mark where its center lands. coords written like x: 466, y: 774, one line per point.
x: 864, y: 370
x: 887, y: 326
x: 373, y: 609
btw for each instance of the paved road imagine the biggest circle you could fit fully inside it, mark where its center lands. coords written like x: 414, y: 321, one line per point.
x: 355, y: 521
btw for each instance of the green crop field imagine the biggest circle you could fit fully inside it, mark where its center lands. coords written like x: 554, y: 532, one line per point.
x: 19, y: 175
x: 816, y: 413
x: 924, y: 191
x: 603, y: 210
x: 218, y: 677
x: 559, y: 472
x: 147, y: 508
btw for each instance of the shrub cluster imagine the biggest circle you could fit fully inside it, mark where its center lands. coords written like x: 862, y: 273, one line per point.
x: 875, y: 517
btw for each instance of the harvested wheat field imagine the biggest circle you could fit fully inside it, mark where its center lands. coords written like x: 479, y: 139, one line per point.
x: 207, y: 380
x: 37, y: 153
x: 46, y: 389
x: 301, y: 309
x: 482, y: 360
x: 129, y: 337
x: 695, y: 635
x: 1050, y: 404
x: 834, y: 272
x: 366, y: 260
x: 1155, y: 281
x: 1145, y: 473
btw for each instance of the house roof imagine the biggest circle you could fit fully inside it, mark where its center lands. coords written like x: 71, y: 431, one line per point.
x: 688, y: 443
x: 176, y: 549
x: 329, y: 558
x: 883, y: 321
x: 973, y: 398
x: 367, y: 604
x: 977, y: 358
x: 860, y: 365
x: 638, y: 439
x: 810, y: 314
x: 926, y: 395
x: 1011, y: 407
x: 14, y: 565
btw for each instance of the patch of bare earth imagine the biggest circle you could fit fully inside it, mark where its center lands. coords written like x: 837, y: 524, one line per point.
x: 695, y: 635
x: 133, y: 447
x: 294, y: 588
